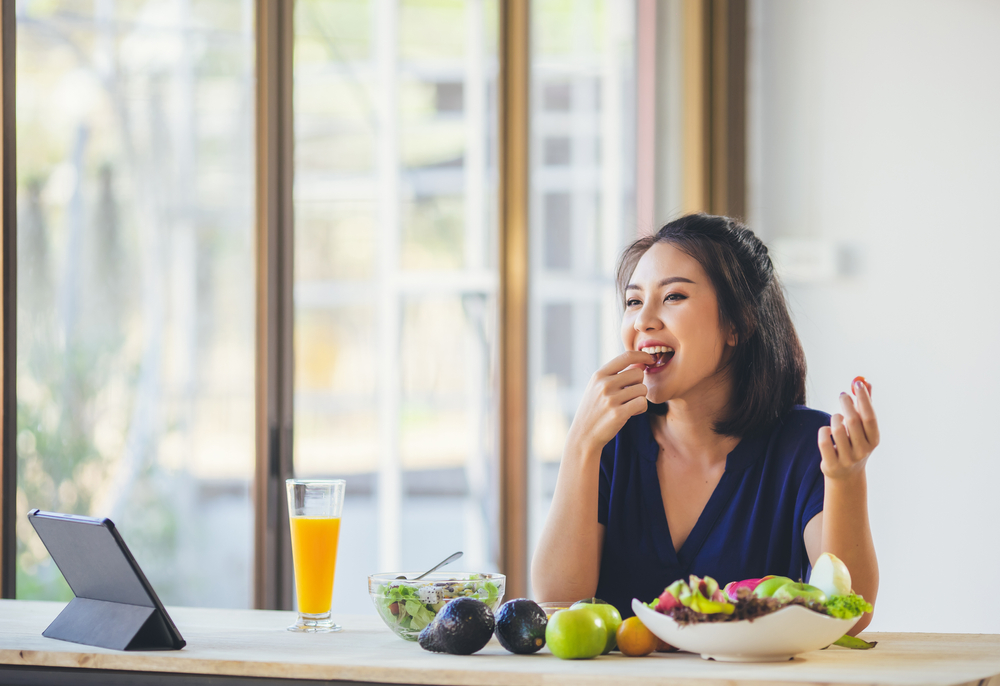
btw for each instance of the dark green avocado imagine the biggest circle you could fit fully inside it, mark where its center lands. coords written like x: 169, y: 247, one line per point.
x: 462, y: 627
x: 429, y: 640
x: 521, y: 626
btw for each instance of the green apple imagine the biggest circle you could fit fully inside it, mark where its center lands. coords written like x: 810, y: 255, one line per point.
x: 794, y: 590
x: 576, y: 633
x: 766, y: 588
x: 609, y: 613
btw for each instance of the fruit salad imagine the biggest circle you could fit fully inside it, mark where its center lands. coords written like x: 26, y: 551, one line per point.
x: 702, y: 600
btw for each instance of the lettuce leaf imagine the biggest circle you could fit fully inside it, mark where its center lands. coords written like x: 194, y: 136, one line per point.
x: 492, y: 592
x: 847, y: 606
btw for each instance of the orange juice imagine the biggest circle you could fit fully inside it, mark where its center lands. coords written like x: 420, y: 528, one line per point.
x: 314, y: 554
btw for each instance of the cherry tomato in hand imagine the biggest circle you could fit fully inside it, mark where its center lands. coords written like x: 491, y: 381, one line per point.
x: 860, y: 379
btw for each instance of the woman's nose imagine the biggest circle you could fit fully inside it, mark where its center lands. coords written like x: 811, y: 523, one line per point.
x: 647, y: 320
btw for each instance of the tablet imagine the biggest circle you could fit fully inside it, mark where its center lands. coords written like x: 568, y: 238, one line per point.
x: 115, y: 605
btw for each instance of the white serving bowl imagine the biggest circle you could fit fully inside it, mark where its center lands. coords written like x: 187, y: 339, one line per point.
x: 771, y: 638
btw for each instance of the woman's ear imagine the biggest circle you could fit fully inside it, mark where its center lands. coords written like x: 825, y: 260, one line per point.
x: 732, y: 339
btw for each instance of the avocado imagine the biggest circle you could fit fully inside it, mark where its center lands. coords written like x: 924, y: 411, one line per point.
x: 429, y: 639
x: 521, y: 626
x: 462, y: 627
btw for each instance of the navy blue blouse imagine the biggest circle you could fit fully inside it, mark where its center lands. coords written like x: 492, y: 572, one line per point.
x: 752, y: 525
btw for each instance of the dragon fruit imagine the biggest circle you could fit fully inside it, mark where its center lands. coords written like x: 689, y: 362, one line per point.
x: 733, y: 587
x: 700, y: 594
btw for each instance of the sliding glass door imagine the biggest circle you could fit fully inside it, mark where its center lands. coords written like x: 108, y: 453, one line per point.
x: 135, y: 285
x: 396, y: 278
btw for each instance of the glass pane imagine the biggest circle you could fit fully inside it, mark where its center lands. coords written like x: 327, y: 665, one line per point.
x: 135, y: 286
x: 395, y: 278
x: 582, y: 212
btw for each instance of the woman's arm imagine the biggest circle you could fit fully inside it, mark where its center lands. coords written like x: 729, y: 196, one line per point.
x: 842, y: 528
x: 567, y: 561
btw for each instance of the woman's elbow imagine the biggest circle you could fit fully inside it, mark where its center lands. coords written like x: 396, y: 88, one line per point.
x: 538, y: 586
x: 542, y: 586
x: 862, y: 624
x: 550, y: 585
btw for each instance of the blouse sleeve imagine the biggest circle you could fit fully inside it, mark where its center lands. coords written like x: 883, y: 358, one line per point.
x: 604, y: 482
x: 814, y: 484
x: 800, y: 440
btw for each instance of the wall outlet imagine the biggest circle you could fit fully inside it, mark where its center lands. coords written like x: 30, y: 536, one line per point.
x: 809, y: 260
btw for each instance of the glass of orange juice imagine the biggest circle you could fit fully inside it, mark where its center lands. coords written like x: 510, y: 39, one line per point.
x: 314, y: 508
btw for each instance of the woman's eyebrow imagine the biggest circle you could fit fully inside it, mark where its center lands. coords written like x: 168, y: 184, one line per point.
x: 665, y: 282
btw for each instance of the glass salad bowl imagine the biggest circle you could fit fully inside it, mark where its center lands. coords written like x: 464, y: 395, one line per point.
x: 408, y: 606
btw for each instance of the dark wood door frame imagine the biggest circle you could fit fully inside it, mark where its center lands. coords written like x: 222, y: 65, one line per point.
x: 714, y: 94
x: 275, y: 241
x: 8, y: 303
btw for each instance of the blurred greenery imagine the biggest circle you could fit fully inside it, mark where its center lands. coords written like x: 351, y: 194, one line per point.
x: 63, y: 366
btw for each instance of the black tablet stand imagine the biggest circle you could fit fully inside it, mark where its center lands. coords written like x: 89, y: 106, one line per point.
x: 111, y: 625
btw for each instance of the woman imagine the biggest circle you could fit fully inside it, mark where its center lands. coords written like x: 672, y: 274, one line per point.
x: 691, y: 453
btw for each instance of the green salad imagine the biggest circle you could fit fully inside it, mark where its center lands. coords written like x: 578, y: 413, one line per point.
x: 408, y: 609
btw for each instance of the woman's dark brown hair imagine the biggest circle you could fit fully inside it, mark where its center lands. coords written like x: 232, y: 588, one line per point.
x: 768, y: 366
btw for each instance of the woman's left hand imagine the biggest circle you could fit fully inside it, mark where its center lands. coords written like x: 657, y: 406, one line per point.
x: 847, y: 443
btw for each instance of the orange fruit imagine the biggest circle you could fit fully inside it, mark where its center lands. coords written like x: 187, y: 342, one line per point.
x: 634, y: 639
x: 664, y: 647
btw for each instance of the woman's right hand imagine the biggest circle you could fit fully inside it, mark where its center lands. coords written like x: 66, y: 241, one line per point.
x: 615, y: 393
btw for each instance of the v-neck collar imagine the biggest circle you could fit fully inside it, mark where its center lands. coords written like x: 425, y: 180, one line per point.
x: 741, y: 457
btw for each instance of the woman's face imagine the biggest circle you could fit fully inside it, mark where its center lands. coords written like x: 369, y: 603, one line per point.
x: 671, y: 311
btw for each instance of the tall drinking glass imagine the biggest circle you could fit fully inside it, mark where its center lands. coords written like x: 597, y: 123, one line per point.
x: 314, y: 508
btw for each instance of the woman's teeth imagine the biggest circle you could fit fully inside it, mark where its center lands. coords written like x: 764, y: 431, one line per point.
x: 657, y: 349
x: 660, y: 353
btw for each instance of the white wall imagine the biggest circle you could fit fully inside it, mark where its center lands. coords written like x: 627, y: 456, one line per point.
x: 876, y: 127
